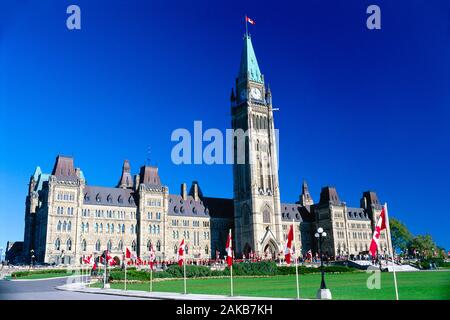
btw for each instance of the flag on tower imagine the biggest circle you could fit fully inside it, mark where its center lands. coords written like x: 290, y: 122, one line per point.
x: 181, y: 253
x: 288, y: 250
x: 380, y: 226
x: 249, y: 20
x: 229, y: 250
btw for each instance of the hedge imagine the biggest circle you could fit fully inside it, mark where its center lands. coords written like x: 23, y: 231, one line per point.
x: 265, y: 268
x: 18, y: 274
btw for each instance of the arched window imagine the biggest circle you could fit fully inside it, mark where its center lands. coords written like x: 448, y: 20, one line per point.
x: 83, y: 245
x: 158, y: 246
x: 123, y: 228
x: 87, y: 227
x: 158, y: 230
x: 82, y: 227
x: 69, y: 245
x: 101, y: 227
x: 175, y: 249
x: 96, y: 228
x: 58, y: 228
x: 154, y: 229
x: 132, y: 229
x: 57, y: 244
x: 206, y: 250
x: 112, y: 227
x: 65, y: 226
x: 97, y: 245
x: 174, y: 235
x: 69, y: 226
x: 120, y: 245
x: 149, y: 245
x: 107, y: 228
x: 133, y: 245
x: 109, y: 245
x: 266, y: 216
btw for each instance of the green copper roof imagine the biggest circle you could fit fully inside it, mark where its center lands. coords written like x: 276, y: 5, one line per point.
x: 249, y: 64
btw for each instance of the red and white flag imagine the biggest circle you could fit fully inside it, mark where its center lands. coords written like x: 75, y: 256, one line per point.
x: 110, y: 259
x: 380, y: 226
x: 288, y: 250
x: 181, y: 253
x: 249, y: 20
x: 128, y: 254
x: 229, y: 250
x: 152, y: 257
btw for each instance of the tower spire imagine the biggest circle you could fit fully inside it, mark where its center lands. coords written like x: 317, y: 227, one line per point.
x: 249, y: 68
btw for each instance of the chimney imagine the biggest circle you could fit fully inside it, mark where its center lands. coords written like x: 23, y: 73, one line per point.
x: 195, y: 185
x: 184, y: 191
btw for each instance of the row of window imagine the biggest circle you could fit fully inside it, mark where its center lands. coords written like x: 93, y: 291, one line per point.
x: 157, y: 215
x: 186, y: 235
x: 60, y: 210
x: 64, y: 226
x: 62, y: 196
x: 58, y: 244
x: 154, y: 203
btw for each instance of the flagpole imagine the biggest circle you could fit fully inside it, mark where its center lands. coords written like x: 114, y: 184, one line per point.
x: 151, y: 279
x: 231, y: 267
x: 125, y: 262
x: 392, y: 251
x: 296, y: 262
x: 246, y: 29
x: 184, y: 269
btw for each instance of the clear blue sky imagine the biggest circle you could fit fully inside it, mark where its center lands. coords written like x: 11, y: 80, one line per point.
x: 359, y: 109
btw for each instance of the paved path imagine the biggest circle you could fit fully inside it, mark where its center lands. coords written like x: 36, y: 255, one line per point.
x: 47, y: 290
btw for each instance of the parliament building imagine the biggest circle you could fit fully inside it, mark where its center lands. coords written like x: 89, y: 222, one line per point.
x: 66, y: 218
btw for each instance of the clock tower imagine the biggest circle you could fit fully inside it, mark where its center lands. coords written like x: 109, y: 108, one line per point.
x: 257, y: 212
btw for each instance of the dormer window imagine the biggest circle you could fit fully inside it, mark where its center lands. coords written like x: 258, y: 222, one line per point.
x: 109, y: 198
x: 98, y: 197
x: 182, y: 209
x: 120, y: 199
x: 194, y: 210
x: 175, y: 209
x: 87, y: 197
x: 130, y: 200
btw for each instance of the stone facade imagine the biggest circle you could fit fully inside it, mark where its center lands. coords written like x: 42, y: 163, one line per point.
x: 65, y: 218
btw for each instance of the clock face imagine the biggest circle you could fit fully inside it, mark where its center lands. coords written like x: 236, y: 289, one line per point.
x: 255, y: 93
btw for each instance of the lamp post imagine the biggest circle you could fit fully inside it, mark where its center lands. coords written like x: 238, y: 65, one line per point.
x: 323, y: 292
x: 32, y: 258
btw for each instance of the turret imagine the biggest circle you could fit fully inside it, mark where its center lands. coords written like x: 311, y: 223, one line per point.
x: 305, y: 197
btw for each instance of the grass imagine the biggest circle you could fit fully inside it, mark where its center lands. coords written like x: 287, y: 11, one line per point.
x: 41, y: 276
x: 411, y: 286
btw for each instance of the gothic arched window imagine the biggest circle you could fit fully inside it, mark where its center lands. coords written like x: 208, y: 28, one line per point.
x: 58, y: 228
x: 158, y: 246
x: 97, y: 245
x: 57, y: 244
x: 83, y: 245
x: 133, y: 245
x: 69, y: 226
x: 109, y: 245
x: 266, y: 216
x: 69, y: 245
x: 120, y: 246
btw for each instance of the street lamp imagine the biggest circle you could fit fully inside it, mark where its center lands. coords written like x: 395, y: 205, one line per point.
x: 323, y: 292
x: 32, y: 257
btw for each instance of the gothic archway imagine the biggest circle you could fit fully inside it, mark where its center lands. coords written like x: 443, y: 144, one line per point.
x: 270, y: 251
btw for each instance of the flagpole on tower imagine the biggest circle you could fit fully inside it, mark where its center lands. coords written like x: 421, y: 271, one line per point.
x: 392, y: 251
x: 246, y: 28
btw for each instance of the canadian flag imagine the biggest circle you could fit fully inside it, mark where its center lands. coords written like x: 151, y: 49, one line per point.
x: 138, y: 261
x: 110, y: 259
x: 181, y: 253
x: 229, y: 250
x: 249, y: 20
x: 288, y: 250
x: 87, y: 259
x: 128, y: 254
x: 380, y: 226
x: 152, y: 256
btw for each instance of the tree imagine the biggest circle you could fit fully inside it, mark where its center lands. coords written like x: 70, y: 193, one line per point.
x: 400, y: 235
x: 424, y: 245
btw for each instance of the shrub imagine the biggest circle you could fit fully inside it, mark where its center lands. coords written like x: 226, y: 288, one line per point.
x: 18, y: 274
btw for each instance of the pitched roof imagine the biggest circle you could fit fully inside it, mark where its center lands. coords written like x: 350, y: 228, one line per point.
x: 296, y: 212
x: 189, y: 207
x: 109, y: 196
x: 249, y: 68
x: 64, y: 169
x: 357, y: 214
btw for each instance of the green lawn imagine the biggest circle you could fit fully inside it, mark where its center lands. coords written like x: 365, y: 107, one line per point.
x: 41, y: 276
x: 352, y: 286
